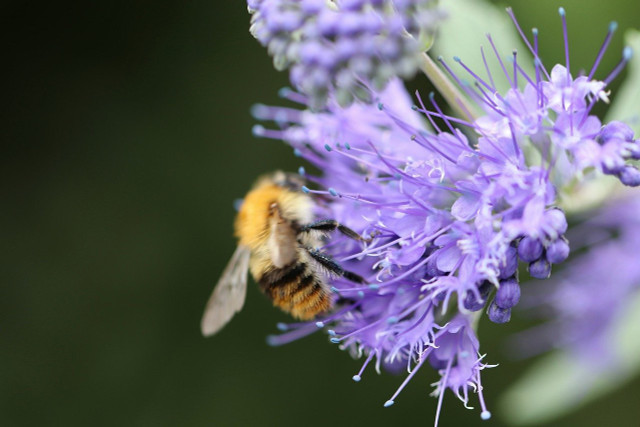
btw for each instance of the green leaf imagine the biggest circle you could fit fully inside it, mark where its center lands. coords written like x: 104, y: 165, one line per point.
x: 626, y: 102
x: 558, y: 383
x: 465, y: 30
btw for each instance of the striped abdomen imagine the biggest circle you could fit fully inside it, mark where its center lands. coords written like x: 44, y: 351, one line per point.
x: 297, y: 289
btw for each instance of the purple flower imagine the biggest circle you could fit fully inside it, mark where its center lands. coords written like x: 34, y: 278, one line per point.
x: 450, y: 213
x: 552, y: 114
x: 455, y: 356
x: 343, y: 46
x: 582, y: 301
x: 615, y: 147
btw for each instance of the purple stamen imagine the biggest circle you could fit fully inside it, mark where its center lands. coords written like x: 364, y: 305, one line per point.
x: 626, y: 56
x: 524, y: 74
x: 534, y: 49
x: 412, y: 327
x: 486, y: 67
x: 537, y: 64
x: 372, y: 249
x: 563, y: 15
x: 420, y: 139
x: 359, y: 198
x: 474, y: 75
x: 389, y: 165
x: 307, y: 190
x: 358, y: 376
x: 488, y: 101
x: 524, y: 38
x: 499, y: 150
x: 612, y: 29
x: 433, y: 123
x: 278, y: 340
x: 423, y: 358
x: 360, y: 160
x: 262, y: 132
x: 371, y: 199
x: 516, y: 146
x: 495, y: 51
x: 283, y: 327
x: 515, y: 69
x: 585, y: 115
x: 546, y: 155
x: 443, y: 117
x: 292, y: 95
x: 460, y: 83
x: 409, y: 272
x: 376, y: 323
x: 442, y: 387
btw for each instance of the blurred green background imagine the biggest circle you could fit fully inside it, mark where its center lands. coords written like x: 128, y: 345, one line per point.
x: 126, y: 138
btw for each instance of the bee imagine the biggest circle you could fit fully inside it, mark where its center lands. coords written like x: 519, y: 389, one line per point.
x: 277, y: 241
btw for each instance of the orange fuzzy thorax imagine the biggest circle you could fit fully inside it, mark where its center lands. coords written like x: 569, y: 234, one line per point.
x: 252, y: 222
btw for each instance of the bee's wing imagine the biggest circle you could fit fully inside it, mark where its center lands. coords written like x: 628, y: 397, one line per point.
x: 228, y: 295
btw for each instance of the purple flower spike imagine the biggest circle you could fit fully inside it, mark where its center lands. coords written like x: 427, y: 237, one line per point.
x: 449, y: 213
x: 341, y: 47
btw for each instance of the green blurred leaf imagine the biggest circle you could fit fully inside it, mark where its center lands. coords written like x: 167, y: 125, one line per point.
x: 626, y: 104
x: 464, y: 32
x: 558, y: 384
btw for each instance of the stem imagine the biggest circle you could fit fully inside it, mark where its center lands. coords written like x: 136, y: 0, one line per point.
x: 475, y: 320
x: 447, y: 89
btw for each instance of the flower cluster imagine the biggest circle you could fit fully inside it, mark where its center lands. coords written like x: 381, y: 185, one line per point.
x: 583, y: 301
x: 339, y: 46
x: 451, y: 214
x: 615, y: 147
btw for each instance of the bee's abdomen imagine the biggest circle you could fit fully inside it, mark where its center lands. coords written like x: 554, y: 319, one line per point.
x: 296, y: 289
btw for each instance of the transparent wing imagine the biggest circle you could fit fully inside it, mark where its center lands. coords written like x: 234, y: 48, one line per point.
x: 228, y: 295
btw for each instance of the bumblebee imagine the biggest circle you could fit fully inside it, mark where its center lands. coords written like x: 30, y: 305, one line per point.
x: 277, y: 241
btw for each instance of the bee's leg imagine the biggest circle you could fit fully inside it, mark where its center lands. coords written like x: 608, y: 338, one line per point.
x: 327, y: 262
x: 326, y: 225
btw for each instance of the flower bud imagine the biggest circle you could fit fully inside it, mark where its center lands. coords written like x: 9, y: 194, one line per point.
x: 508, y: 294
x: 472, y: 303
x: 511, y: 263
x: 497, y: 314
x: 615, y: 130
x: 630, y: 176
x: 557, y: 251
x: 557, y: 219
x: 529, y: 249
x: 540, y: 269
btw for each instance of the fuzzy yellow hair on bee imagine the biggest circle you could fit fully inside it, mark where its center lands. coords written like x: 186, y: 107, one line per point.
x: 277, y: 237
